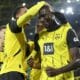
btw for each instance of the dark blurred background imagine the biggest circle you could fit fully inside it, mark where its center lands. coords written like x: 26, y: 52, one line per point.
x: 70, y: 8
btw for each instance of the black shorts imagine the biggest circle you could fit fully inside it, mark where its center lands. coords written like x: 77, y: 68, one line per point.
x: 12, y: 76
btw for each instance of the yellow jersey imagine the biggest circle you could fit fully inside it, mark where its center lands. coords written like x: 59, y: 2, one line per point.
x: 14, y: 47
x: 55, y: 52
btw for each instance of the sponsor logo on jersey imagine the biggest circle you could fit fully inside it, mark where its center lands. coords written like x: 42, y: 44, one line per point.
x: 58, y: 36
x: 48, y: 48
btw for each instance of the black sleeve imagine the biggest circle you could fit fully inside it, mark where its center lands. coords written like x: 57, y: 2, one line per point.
x: 28, y: 50
x: 36, y: 38
x: 60, y: 17
x: 72, y: 39
x: 13, y: 26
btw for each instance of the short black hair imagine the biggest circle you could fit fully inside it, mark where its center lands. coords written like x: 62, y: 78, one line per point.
x: 43, y: 8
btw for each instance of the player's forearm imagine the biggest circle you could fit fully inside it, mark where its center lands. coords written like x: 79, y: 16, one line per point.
x: 67, y: 68
x: 30, y: 13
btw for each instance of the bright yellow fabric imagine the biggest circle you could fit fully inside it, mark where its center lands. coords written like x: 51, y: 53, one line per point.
x: 13, y: 42
x: 16, y: 41
x: 31, y: 44
x: 35, y: 73
x: 1, y: 56
x: 30, y: 13
x: 1, y: 59
x: 60, y: 57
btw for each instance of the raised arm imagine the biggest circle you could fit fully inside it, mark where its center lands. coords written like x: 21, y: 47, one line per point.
x: 30, y: 13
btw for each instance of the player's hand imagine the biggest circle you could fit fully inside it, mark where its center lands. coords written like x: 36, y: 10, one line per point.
x: 30, y: 62
x: 51, y: 71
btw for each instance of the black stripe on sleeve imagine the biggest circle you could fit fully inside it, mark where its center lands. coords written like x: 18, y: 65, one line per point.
x: 13, y: 27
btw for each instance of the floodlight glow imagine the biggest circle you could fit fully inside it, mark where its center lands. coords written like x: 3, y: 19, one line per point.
x: 69, y: 10
x: 62, y: 10
x: 30, y: 33
x: 68, y: 1
x: 77, y: 0
x: 23, y: 4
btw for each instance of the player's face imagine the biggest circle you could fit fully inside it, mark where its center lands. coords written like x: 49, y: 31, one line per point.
x: 45, y: 17
x: 2, y: 33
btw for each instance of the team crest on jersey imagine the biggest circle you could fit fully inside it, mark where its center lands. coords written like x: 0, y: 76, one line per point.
x: 48, y: 48
x: 58, y: 36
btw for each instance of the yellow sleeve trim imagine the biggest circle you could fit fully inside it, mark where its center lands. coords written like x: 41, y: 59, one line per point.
x: 33, y: 53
